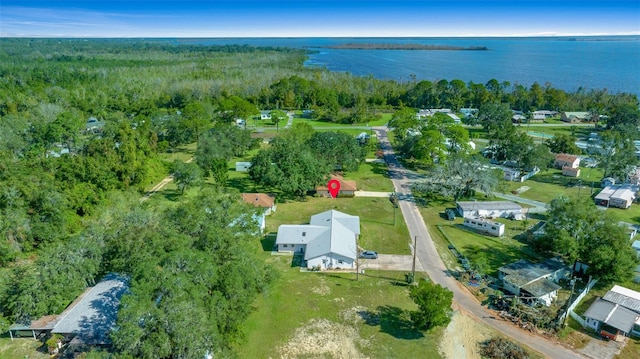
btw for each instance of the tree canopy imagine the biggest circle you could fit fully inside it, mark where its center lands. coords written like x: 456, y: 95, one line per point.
x: 434, y: 305
x: 579, y: 231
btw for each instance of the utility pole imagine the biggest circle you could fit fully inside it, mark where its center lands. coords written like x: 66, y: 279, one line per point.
x: 413, y: 266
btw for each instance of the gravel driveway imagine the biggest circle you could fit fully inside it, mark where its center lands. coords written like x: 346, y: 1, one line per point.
x: 391, y: 262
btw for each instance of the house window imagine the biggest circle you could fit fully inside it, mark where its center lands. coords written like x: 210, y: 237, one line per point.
x: 284, y: 246
x: 304, y: 234
x: 340, y: 261
x: 493, y: 228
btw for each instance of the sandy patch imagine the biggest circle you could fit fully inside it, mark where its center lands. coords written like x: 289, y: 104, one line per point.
x: 460, y: 339
x: 325, y: 339
x: 322, y: 288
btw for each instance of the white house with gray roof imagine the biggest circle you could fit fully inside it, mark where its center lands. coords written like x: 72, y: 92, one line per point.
x: 618, y: 312
x: 329, y: 241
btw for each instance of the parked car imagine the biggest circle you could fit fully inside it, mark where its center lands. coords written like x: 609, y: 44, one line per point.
x: 369, y: 255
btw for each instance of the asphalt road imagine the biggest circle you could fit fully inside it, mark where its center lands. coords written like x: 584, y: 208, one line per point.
x: 435, y: 268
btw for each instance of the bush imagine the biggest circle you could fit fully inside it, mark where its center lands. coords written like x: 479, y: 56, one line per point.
x: 499, y: 348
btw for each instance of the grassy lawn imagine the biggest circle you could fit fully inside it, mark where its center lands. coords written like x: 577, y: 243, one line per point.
x: 22, y: 348
x: 550, y: 184
x: 378, y: 231
x: 303, y: 312
x: 497, y: 251
x: 372, y: 177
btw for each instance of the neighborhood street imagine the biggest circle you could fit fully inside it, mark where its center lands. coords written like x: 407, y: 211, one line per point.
x: 435, y: 268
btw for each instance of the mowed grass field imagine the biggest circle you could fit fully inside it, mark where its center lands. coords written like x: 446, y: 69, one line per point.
x: 497, y: 251
x: 331, y: 315
x: 378, y: 231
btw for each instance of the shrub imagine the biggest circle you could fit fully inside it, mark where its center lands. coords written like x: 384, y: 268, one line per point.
x: 500, y: 348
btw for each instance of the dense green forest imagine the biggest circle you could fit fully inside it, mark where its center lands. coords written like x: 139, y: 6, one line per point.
x: 82, y: 124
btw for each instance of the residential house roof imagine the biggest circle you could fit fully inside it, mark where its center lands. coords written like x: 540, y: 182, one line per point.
x: 345, y: 185
x: 566, y: 157
x: 259, y: 199
x: 625, y: 297
x: 489, y: 205
x: 579, y: 114
x: 540, y: 287
x: 524, y: 272
x: 94, y: 313
x: 328, y: 232
x: 612, y: 314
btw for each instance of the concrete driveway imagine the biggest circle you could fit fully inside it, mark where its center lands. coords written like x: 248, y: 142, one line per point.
x: 391, y: 262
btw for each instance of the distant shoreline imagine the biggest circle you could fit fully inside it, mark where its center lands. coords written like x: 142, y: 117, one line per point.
x: 389, y: 46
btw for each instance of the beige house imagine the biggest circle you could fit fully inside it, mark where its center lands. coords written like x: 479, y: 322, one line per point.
x: 575, y: 117
x: 563, y: 159
x: 347, y: 187
x: 262, y: 200
x: 570, y: 171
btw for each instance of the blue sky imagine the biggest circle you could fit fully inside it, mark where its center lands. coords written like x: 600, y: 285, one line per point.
x: 302, y: 18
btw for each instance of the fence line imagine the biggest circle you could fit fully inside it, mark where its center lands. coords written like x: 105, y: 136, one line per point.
x: 575, y: 303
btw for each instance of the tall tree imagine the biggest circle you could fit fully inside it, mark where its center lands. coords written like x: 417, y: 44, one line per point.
x: 563, y: 143
x: 577, y: 230
x: 459, y: 177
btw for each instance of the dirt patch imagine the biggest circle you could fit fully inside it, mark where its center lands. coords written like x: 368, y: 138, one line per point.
x: 321, y: 338
x: 460, y: 339
x: 322, y: 288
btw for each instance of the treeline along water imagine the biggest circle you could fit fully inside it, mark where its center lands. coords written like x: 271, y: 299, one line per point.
x: 567, y: 63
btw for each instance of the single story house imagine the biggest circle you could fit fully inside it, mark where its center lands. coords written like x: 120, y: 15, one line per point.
x: 573, y: 117
x: 518, y: 118
x: 262, y: 200
x: 329, y: 241
x: 611, y: 319
x: 490, y: 209
x: 566, y: 160
x: 541, y: 115
x: 265, y: 115
x: 534, y: 282
x: 347, y: 187
x: 485, y: 225
x: 570, y: 171
x: 87, y: 320
x: 243, y: 166
x: 618, y: 310
x: 620, y: 196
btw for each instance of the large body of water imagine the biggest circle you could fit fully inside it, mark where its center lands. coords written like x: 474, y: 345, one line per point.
x: 611, y: 63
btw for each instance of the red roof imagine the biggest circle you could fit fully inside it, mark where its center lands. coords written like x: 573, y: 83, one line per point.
x: 345, y: 185
x: 566, y: 158
x: 259, y: 199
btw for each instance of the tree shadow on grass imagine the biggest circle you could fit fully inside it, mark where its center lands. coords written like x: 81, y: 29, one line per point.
x: 393, y: 321
x: 269, y: 242
x: 172, y: 195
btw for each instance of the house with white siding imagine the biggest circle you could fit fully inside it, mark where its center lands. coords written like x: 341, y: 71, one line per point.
x: 329, y: 241
x: 490, y: 209
x: 615, y: 314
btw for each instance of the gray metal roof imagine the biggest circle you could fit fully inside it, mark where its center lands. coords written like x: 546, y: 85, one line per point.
x: 489, y: 205
x: 613, y: 314
x: 540, y: 287
x: 625, y: 297
x: 94, y: 313
x: 301, y: 234
x: 329, y: 232
x: 523, y: 272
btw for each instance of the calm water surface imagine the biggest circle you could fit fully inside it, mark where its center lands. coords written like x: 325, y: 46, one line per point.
x: 611, y: 63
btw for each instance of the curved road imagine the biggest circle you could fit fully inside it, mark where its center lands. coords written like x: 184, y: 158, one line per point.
x: 435, y: 268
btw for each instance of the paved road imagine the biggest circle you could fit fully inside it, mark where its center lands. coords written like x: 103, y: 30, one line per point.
x: 435, y: 268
